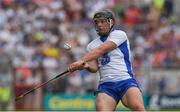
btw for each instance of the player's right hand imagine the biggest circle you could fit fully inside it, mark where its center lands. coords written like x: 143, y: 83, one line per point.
x: 78, y: 65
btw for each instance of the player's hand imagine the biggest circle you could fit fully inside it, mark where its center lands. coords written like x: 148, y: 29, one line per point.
x: 78, y: 65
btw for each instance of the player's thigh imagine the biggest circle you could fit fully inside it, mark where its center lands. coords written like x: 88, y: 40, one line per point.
x: 105, y: 102
x: 133, y: 99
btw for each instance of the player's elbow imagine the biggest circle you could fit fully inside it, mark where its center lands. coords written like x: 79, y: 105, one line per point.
x: 93, y: 71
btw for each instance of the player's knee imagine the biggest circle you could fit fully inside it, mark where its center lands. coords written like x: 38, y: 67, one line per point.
x: 137, y: 107
x: 98, y: 106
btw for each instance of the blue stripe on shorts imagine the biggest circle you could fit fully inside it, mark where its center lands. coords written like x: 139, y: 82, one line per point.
x: 117, y: 89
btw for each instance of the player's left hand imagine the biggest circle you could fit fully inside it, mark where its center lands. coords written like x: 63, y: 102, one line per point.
x: 78, y: 65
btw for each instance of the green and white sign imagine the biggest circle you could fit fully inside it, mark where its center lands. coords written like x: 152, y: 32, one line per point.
x: 72, y: 102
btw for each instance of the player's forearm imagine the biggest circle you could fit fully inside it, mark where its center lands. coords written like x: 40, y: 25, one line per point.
x: 92, y: 55
x: 99, y: 51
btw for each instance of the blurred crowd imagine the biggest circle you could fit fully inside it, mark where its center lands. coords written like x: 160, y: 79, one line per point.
x: 33, y: 33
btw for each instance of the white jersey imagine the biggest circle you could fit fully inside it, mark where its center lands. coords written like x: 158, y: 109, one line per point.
x: 114, y: 65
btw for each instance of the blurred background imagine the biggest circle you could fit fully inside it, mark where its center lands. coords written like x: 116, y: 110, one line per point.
x: 32, y: 35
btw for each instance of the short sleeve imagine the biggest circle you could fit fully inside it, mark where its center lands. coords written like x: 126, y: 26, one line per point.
x: 118, y: 37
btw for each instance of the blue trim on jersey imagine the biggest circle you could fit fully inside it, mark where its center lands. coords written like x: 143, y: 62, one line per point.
x: 103, y: 38
x: 124, y: 49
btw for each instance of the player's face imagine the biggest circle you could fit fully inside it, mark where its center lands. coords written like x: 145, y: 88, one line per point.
x: 102, y: 26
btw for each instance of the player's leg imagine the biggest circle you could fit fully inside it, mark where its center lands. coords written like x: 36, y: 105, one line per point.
x: 133, y: 99
x: 105, y: 102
